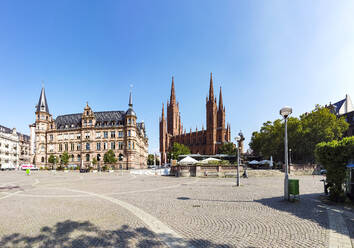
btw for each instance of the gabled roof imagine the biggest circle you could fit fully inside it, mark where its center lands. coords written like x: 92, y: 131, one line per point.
x: 42, y: 102
x: 338, y: 105
x: 74, y: 120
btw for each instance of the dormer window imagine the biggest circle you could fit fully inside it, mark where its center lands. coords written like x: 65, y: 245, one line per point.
x: 87, y: 112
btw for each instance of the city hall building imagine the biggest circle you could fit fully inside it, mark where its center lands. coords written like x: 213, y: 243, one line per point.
x: 89, y: 135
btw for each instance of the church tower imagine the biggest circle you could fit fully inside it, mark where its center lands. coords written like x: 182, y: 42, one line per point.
x: 211, y: 119
x: 163, y: 136
x: 221, y: 131
x: 174, y: 126
x: 43, y: 119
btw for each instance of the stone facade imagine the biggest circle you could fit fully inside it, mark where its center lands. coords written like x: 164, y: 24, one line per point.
x: 89, y: 135
x: 203, y: 141
x: 14, y: 148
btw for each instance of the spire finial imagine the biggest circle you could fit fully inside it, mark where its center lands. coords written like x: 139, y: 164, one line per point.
x: 173, y: 95
x: 220, y: 100
x: 211, y: 88
x: 130, y: 96
x: 42, y: 83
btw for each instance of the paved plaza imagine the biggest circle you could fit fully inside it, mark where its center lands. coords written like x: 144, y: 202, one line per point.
x: 117, y: 209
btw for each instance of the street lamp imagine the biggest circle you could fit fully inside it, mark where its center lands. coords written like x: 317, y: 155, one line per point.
x: 285, y: 112
x: 237, y: 139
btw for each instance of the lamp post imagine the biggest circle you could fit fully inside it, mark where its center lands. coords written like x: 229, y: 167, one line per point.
x: 237, y: 139
x: 290, y: 156
x: 285, y: 112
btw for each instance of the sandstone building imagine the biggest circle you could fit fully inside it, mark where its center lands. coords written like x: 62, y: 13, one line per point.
x: 89, y: 135
x: 14, y: 148
x: 203, y: 141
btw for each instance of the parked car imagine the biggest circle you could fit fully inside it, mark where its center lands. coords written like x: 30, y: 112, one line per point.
x: 323, y: 172
x: 84, y: 170
x: 28, y: 166
x: 7, y: 167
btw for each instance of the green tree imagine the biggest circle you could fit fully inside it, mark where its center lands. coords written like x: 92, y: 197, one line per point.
x: 303, y: 134
x: 52, y: 160
x: 109, y: 157
x: 178, y: 149
x: 334, y: 156
x: 94, y: 161
x: 64, y: 159
x: 227, y: 148
x: 150, y: 160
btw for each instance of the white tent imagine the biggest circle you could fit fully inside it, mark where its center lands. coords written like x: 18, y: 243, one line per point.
x: 206, y: 161
x: 264, y: 162
x: 253, y: 162
x: 188, y: 160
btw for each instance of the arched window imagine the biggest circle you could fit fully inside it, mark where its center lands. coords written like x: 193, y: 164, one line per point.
x: 79, y: 157
x: 87, y: 157
x: 98, y: 157
x: 42, y: 159
x: 72, y: 158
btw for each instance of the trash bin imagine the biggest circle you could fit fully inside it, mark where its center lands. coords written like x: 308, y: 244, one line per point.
x: 293, y: 188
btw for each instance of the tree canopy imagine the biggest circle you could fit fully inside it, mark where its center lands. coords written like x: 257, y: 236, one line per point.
x: 304, y: 133
x: 151, y: 159
x: 334, y: 156
x: 109, y: 157
x: 52, y: 159
x: 64, y: 158
x: 178, y: 149
x: 227, y: 148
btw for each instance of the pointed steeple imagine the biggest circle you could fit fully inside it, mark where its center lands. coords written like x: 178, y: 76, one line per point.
x: 220, y: 100
x: 163, y: 111
x: 130, y: 100
x: 42, y: 105
x: 173, y: 95
x: 211, y: 89
x: 130, y: 110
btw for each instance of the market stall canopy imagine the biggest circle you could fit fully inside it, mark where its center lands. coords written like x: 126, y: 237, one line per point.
x: 253, y: 162
x: 207, y: 160
x: 264, y: 162
x: 350, y: 166
x: 188, y: 160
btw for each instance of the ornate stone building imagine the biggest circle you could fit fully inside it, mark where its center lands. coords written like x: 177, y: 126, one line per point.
x: 14, y: 148
x: 203, y: 141
x: 89, y: 135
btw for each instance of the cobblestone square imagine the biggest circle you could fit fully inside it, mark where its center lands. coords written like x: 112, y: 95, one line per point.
x: 118, y: 209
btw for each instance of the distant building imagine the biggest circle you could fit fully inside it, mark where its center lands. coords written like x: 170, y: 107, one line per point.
x: 88, y: 135
x: 14, y: 148
x: 203, y: 141
x: 345, y: 108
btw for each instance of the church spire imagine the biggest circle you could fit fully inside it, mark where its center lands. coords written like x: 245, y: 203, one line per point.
x: 130, y: 100
x: 211, y: 89
x: 220, y: 100
x: 42, y: 105
x: 163, y: 111
x: 173, y: 96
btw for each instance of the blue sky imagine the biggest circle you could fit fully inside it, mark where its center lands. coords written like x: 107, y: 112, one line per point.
x: 264, y: 54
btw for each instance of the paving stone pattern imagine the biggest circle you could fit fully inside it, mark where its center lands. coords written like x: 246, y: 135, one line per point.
x: 49, y: 209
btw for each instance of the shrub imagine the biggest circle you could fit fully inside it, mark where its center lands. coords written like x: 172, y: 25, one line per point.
x: 334, y: 156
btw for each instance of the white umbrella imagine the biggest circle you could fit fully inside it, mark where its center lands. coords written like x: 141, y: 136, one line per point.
x: 253, y: 162
x: 188, y: 160
x: 264, y: 162
x: 206, y: 161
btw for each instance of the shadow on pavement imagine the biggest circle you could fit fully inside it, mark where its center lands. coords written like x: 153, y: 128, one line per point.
x: 85, y: 234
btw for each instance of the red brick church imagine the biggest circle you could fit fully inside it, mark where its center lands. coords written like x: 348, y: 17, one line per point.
x: 204, y: 141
